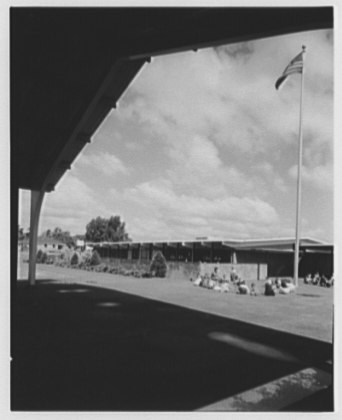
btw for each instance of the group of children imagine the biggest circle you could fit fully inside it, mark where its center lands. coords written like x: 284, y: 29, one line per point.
x: 318, y: 280
x: 236, y: 284
x: 222, y: 284
x: 282, y: 287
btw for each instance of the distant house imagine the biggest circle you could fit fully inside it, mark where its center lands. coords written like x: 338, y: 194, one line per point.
x: 79, y: 244
x: 51, y: 246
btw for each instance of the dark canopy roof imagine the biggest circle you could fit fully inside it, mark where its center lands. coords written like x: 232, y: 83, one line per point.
x: 69, y: 66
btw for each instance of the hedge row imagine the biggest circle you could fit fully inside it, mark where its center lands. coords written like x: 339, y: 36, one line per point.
x: 158, y: 267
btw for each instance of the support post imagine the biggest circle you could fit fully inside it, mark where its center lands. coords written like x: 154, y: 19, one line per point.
x: 36, y: 205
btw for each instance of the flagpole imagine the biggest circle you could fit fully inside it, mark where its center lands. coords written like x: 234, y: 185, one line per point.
x: 299, y: 181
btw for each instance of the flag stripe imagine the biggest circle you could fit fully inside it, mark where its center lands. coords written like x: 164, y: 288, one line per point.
x: 293, y: 71
x: 295, y: 66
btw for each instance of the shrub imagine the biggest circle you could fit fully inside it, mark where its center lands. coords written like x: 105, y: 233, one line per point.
x: 44, y: 258
x: 50, y: 259
x: 158, y: 265
x: 127, y: 272
x: 95, y: 258
x: 146, y: 274
x: 60, y: 263
x: 74, y: 259
x: 101, y: 268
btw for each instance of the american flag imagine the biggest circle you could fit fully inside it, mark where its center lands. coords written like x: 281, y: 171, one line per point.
x: 295, y: 66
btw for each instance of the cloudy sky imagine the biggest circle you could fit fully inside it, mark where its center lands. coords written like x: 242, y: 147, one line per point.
x: 202, y: 144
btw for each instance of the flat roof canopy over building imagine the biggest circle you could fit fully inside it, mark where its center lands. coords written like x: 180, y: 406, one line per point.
x: 69, y: 67
x: 272, y: 244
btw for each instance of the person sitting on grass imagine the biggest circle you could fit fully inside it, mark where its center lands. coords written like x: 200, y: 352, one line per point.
x: 269, y: 288
x: 242, y: 288
x: 198, y: 280
x: 323, y: 281
x: 286, y: 287
x: 214, y: 278
x: 308, y: 279
x: 329, y: 282
x: 233, y: 275
x: 217, y: 286
x: 254, y: 291
x: 316, y: 279
x: 224, y: 284
x: 277, y: 283
x: 205, y: 282
x: 221, y: 284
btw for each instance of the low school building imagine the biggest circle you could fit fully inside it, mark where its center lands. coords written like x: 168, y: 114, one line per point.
x: 253, y: 259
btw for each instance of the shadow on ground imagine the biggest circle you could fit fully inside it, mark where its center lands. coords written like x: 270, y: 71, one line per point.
x: 90, y: 349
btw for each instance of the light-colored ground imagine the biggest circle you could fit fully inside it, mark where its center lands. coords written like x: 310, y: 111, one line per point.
x: 308, y: 312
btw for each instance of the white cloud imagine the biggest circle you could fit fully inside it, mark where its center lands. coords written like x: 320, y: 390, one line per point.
x: 179, y: 215
x: 317, y: 176
x: 213, y: 93
x: 104, y: 162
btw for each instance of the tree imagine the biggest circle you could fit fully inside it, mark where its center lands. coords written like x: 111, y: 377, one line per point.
x: 59, y: 235
x: 74, y: 259
x: 158, y: 266
x: 111, y: 230
x: 95, y: 258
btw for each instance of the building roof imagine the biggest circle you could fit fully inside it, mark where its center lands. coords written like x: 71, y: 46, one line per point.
x: 42, y: 240
x: 272, y: 244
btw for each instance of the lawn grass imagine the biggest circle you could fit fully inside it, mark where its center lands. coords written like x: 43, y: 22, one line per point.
x: 308, y: 312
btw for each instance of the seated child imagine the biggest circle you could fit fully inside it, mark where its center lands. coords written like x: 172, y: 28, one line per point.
x: 329, y: 282
x: 286, y: 288
x: 323, y: 281
x: 316, y: 279
x: 214, y: 279
x: 233, y: 275
x: 254, y: 291
x: 198, y: 280
x: 205, y: 282
x: 243, y: 289
x: 308, y: 279
x: 225, y: 287
x: 269, y: 290
x: 224, y: 284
